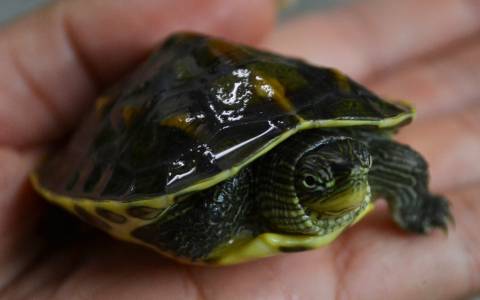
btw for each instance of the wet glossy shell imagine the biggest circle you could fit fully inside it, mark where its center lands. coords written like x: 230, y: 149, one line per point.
x: 196, y: 112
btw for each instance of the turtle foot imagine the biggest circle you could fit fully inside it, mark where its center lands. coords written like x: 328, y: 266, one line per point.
x: 434, y: 212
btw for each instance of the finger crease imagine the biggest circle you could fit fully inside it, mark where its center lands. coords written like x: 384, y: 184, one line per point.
x: 35, y: 89
x: 383, y: 68
x: 78, y: 53
x: 196, y: 285
x: 342, y: 263
x: 359, y: 19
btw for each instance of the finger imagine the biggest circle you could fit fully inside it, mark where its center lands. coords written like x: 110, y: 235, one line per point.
x: 19, y: 210
x: 53, y: 62
x: 364, y: 38
x: 466, y: 209
x: 445, y: 82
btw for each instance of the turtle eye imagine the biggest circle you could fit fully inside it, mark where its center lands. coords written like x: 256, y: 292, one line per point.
x: 309, y: 181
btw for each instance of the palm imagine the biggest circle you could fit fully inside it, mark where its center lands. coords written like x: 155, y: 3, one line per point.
x: 372, y: 259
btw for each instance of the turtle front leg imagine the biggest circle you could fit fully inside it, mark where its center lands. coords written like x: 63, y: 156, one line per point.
x: 194, y: 227
x: 400, y: 175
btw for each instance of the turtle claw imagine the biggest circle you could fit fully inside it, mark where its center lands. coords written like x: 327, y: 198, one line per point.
x: 450, y: 220
x: 450, y: 217
x: 437, y: 213
x: 443, y: 227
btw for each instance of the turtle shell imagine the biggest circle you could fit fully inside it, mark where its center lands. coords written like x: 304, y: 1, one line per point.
x: 196, y: 112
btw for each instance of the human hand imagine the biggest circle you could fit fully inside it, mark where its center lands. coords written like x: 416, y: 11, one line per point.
x: 53, y: 61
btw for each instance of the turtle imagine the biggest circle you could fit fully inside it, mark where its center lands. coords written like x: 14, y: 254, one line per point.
x: 215, y: 153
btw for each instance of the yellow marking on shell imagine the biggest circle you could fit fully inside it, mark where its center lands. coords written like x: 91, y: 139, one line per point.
x: 342, y: 81
x: 269, y: 87
x: 269, y: 244
x: 101, y: 104
x: 129, y: 114
x: 113, y: 205
x: 119, y: 231
x: 183, y: 122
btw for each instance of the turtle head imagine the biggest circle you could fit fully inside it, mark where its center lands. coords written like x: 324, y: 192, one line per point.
x: 331, y: 182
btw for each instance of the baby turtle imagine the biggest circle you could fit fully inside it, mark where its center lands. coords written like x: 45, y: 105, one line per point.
x: 218, y: 153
